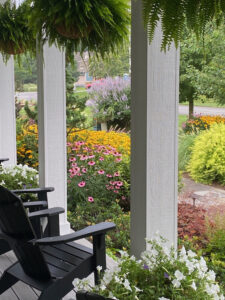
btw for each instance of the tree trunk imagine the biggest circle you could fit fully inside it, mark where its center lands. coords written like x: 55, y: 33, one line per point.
x: 191, y: 108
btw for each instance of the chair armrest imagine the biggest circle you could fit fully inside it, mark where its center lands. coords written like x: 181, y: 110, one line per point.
x: 34, y: 204
x: 34, y: 190
x: 46, y: 212
x: 97, y: 229
x: 3, y: 159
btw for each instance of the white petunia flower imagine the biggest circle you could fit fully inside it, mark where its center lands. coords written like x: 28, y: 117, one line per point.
x: 179, y: 275
x: 99, y: 268
x: 176, y: 283
x: 127, y: 285
x: 211, y: 275
x: 193, y: 285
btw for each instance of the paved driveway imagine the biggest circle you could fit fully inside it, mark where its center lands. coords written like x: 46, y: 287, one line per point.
x: 183, y: 110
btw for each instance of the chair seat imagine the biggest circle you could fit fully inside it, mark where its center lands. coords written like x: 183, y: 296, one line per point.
x: 61, y: 260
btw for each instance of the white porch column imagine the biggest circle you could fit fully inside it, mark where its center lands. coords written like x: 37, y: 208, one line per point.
x: 7, y: 112
x: 155, y: 77
x: 52, y: 128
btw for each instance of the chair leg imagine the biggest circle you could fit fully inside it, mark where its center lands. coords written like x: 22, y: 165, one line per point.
x: 4, y: 247
x: 99, y: 254
x: 6, y: 281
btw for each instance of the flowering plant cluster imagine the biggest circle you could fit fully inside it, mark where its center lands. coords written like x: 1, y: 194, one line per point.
x: 160, y: 274
x: 96, y: 173
x: 27, y: 145
x: 118, y: 140
x: 110, y: 101
x: 18, y: 177
x: 199, y: 123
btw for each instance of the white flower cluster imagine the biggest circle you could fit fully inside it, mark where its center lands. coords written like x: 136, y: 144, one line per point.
x: 183, y: 270
x: 19, y: 173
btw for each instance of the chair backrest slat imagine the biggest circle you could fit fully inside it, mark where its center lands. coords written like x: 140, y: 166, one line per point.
x: 15, y: 224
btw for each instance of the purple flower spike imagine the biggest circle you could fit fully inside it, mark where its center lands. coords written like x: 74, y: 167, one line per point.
x: 146, y: 267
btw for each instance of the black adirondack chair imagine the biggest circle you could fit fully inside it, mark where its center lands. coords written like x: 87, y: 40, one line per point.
x: 52, y: 228
x: 3, y: 159
x: 82, y: 295
x: 49, y: 264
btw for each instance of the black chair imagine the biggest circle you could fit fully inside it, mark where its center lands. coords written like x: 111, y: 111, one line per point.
x: 52, y: 227
x: 49, y: 264
x: 3, y: 159
x: 82, y: 295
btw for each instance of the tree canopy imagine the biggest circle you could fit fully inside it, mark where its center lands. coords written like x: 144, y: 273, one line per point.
x: 202, y: 65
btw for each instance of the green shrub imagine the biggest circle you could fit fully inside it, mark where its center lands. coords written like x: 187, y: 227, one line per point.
x: 95, y: 212
x: 186, y: 141
x: 30, y: 87
x: 207, y: 163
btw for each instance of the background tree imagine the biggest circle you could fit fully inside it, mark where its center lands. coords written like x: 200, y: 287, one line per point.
x: 25, y: 72
x: 75, y: 104
x: 202, y: 66
x: 113, y: 64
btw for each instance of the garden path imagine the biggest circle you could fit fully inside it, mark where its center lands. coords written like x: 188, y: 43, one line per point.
x: 209, y: 196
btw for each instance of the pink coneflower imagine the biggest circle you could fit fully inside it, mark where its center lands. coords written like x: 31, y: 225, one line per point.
x: 106, y: 153
x: 116, y: 174
x: 117, y: 187
x: 91, y: 156
x: 116, y: 192
x: 69, y: 144
x: 72, y: 159
x: 91, y: 163
x: 90, y: 199
x: 109, y: 175
x: 76, y: 169
x: 84, y: 170
x: 81, y: 184
x: 101, y: 158
x: 76, y: 148
x: 101, y: 172
x: 83, y: 157
x: 74, y: 164
x: 119, y: 183
x: 118, y: 159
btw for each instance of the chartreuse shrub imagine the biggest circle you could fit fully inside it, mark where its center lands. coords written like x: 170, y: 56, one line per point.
x: 207, y: 163
x: 160, y: 274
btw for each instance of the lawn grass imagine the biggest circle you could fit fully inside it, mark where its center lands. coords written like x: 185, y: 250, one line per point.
x: 208, y: 103
x: 181, y: 120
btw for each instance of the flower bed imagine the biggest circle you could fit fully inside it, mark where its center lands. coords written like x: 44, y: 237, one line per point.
x: 118, y: 140
x: 199, y: 123
x: 161, y: 273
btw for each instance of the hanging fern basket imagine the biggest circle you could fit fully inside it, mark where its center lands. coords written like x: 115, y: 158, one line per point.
x: 71, y: 32
x: 16, y: 36
x: 9, y: 47
x: 93, y: 25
